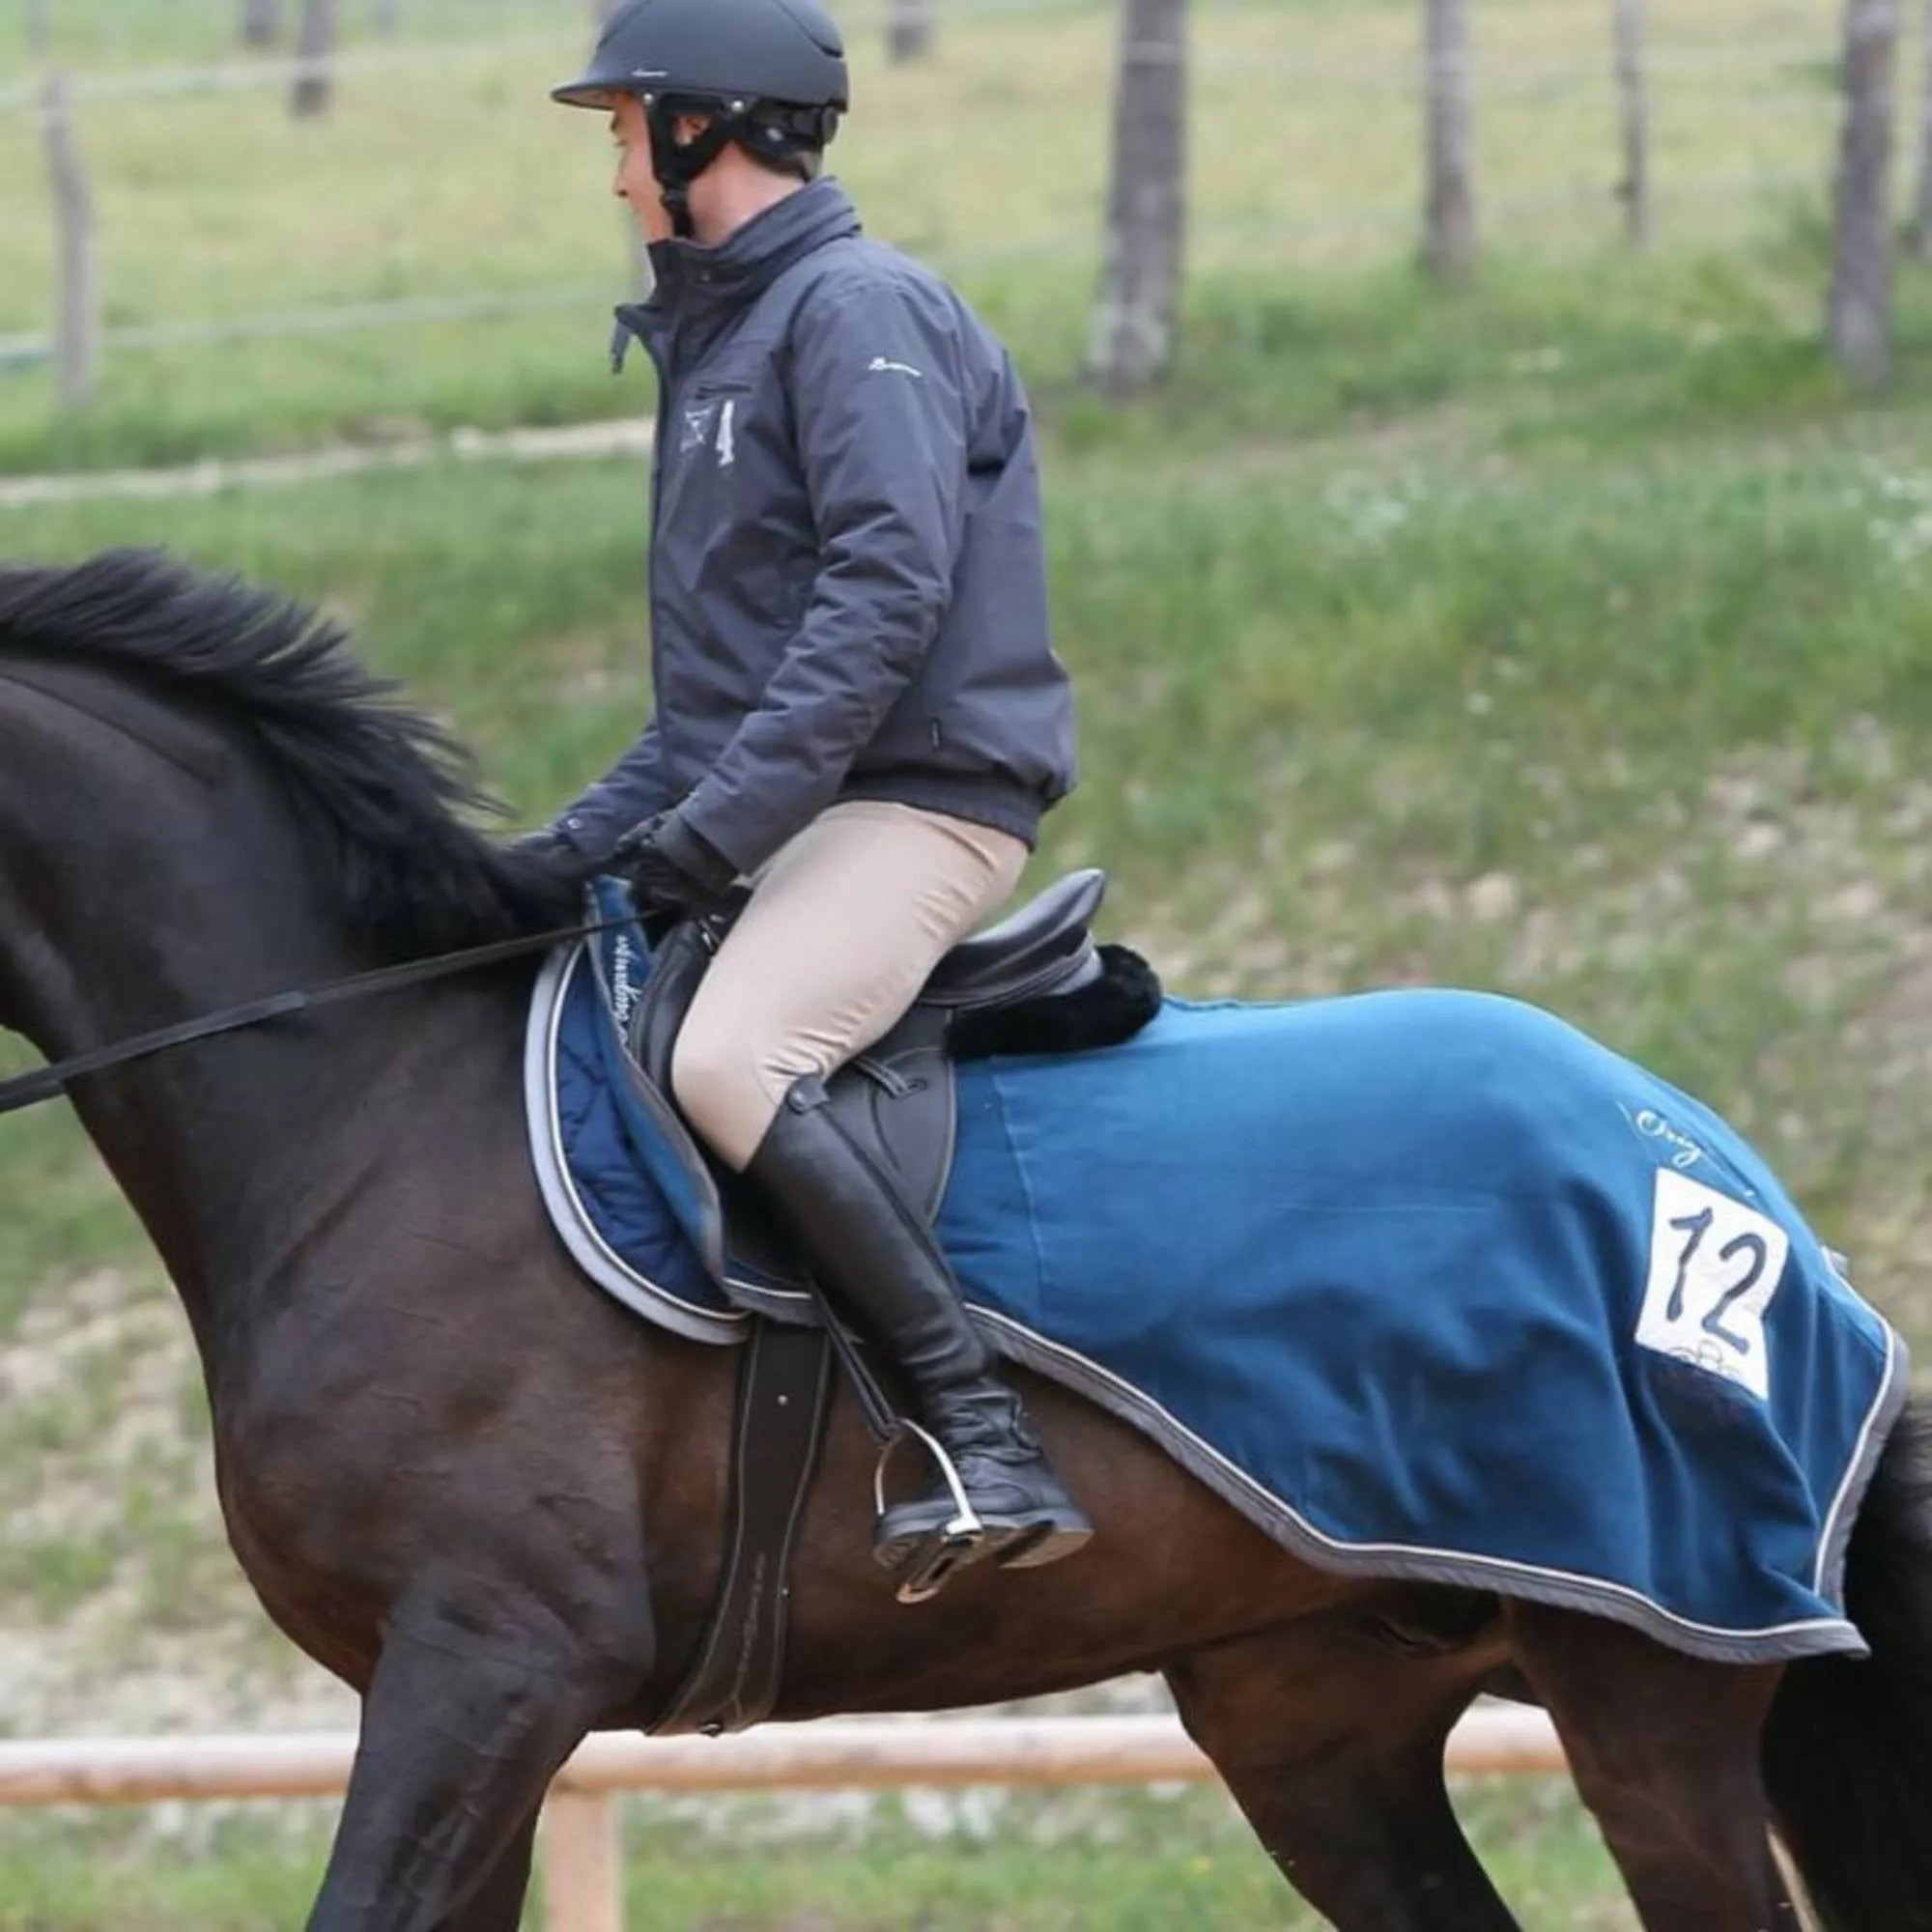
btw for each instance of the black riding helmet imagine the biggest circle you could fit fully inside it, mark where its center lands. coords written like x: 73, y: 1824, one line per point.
x: 770, y: 74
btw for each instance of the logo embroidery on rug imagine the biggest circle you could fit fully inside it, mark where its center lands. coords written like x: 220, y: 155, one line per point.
x: 1683, y: 1151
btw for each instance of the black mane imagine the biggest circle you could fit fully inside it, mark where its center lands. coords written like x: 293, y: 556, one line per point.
x: 380, y: 788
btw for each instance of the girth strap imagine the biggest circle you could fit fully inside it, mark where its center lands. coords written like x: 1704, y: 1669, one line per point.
x: 784, y: 1394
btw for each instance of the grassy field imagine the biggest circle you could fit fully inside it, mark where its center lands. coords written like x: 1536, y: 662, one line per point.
x: 967, y: 1863
x: 1507, y: 689
x: 1568, y: 638
x: 458, y: 180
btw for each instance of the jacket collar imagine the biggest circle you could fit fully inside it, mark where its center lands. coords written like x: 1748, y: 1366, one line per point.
x: 696, y: 289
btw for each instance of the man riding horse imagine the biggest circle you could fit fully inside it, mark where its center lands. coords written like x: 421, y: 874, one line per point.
x: 858, y: 709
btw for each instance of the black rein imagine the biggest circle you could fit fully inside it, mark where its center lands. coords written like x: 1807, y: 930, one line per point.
x: 50, y: 1083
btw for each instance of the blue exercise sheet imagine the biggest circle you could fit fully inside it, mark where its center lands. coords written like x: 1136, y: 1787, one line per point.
x: 1428, y: 1284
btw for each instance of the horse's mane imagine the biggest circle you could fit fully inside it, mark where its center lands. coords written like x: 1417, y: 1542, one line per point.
x: 379, y: 789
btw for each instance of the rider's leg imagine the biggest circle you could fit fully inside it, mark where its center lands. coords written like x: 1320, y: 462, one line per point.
x: 843, y: 931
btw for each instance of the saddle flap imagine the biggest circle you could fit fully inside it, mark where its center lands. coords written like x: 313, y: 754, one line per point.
x: 898, y: 1103
x: 669, y: 1150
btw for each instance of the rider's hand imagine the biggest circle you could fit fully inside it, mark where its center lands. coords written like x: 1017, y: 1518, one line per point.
x: 547, y: 847
x: 546, y: 842
x: 672, y: 868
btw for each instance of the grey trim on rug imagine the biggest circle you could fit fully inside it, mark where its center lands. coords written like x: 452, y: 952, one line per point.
x: 1834, y: 1546
x: 1460, y: 1569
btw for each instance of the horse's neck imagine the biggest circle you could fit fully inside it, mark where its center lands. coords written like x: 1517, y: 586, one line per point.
x: 166, y: 895
x: 242, y: 1156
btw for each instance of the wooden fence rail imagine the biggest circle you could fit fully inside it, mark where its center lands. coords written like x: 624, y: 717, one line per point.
x: 581, y: 1858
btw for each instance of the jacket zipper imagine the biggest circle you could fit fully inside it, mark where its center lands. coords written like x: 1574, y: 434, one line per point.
x: 651, y: 601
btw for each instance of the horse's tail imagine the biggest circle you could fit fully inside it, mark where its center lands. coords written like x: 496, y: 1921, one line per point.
x: 1848, y: 1751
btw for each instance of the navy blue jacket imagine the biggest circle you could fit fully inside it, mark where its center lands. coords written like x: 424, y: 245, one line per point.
x: 848, y: 583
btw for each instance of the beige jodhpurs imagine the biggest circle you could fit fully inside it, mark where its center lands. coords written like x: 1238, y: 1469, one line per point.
x: 844, y: 926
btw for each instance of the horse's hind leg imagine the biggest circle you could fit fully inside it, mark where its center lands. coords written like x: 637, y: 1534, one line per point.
x: 1332, y: 1746
x: 1665, y: 1750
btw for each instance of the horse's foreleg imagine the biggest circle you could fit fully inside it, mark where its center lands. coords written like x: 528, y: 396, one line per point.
x: 498, y: 1906
x: 1334, y: 1752
x: 1666, y: 1750
x: 472, y: 1709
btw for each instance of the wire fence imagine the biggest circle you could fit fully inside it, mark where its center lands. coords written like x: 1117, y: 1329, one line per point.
x: 1695, y: 72
x: 1715, y: 72
x: 1556, y: 90
x: 357, y: 318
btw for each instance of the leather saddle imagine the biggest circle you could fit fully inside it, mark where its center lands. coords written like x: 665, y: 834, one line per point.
x: 1035, y: 982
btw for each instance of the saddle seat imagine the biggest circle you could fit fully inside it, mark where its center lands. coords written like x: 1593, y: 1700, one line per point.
x: 1045, y: 950
x: 1035, y: 982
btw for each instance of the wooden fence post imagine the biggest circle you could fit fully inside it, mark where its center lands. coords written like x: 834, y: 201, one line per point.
x: 1634, y: 98
x: 261, y: 22
x: 1449, y: 138
x: 1922, y: 212
x: 1860, y: 313
x: 77, y: 321
x: 910, y: 29
x: 582, y: 1868
x: 315, y: 55
x: 1135, y: 317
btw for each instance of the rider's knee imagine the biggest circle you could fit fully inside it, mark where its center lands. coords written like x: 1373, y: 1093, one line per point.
x: 722, y: 1090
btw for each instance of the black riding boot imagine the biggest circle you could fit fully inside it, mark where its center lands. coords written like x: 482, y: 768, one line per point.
x: 873, y: 1251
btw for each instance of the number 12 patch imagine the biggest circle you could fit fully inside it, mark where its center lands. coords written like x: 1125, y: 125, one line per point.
x: 1715, y: 1266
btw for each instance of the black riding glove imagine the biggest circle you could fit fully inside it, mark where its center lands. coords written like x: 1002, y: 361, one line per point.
x: 672, y: 868
x: 549, y: 850
x: 546, y: 843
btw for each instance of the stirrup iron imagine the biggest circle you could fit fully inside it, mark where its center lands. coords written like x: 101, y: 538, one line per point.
x: 951, y: 1548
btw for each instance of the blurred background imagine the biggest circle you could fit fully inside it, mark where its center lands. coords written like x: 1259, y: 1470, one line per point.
x: 1491, y: 528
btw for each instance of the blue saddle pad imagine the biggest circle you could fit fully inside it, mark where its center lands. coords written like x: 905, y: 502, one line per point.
x: 1426, y: 1283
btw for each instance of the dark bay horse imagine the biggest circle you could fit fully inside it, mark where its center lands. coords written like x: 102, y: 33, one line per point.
x: 494, y: 1503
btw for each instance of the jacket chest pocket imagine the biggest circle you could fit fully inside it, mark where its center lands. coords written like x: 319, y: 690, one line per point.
x: 703, y: 470
x: 709, y: 421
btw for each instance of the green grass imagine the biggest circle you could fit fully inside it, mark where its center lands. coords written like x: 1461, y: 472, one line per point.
x: 1066, y: 1863
x: 1501, y: 631
x: 431, y: 184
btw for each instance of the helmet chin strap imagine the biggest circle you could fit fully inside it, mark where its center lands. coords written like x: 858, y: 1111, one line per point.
x: 677, y: 166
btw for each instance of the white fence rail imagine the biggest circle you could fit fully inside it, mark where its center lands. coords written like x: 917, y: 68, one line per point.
x: 582, y: 1863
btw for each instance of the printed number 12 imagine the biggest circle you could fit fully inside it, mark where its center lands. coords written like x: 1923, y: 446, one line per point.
x: 1696, y: 1225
